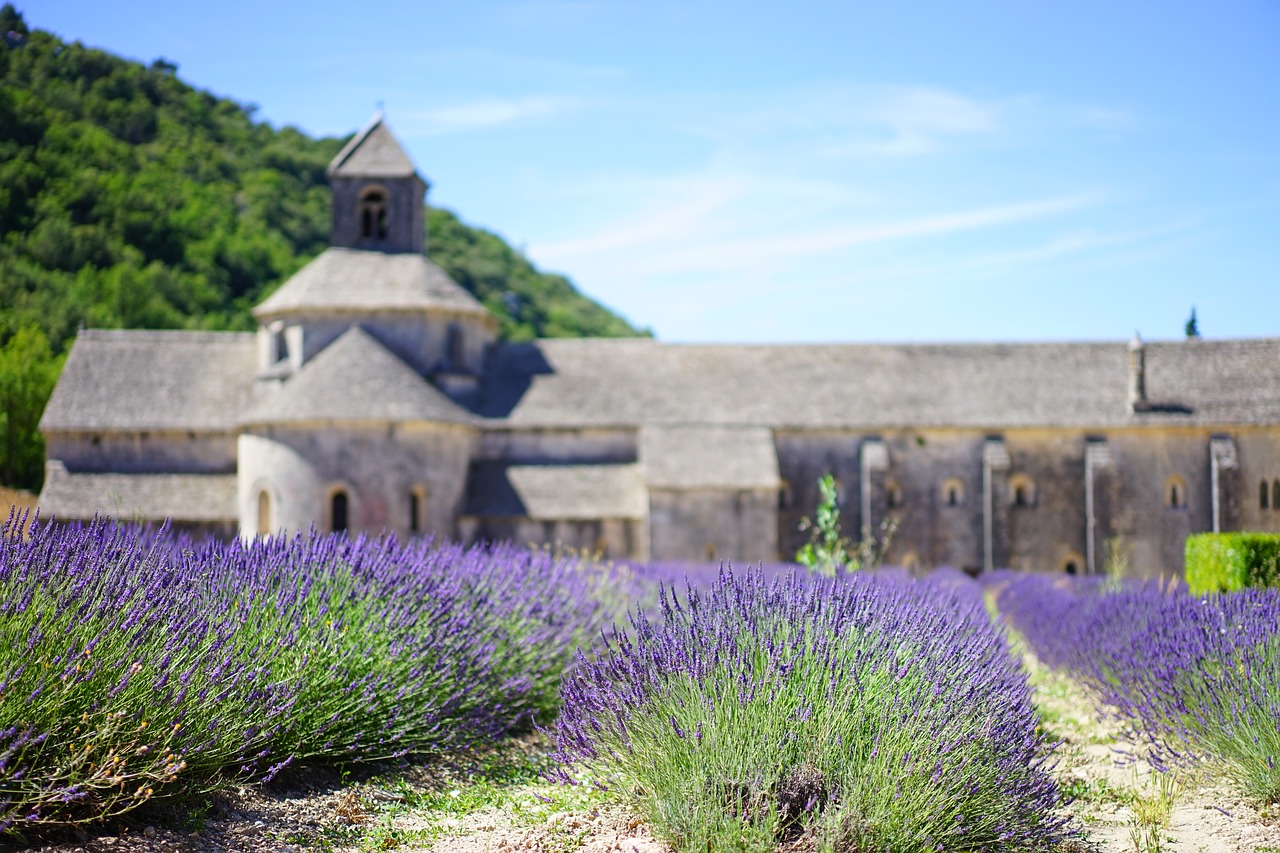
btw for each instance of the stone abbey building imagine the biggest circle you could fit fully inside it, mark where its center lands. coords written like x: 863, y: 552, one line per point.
x: 374, y: 396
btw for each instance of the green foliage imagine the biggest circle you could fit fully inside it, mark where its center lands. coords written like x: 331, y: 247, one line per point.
x: 28, y: 371
x: 1227, y: 562
x: 528, y: 304
x: 129, y: 199
x: 827, y: 552
x: 1192, y: 328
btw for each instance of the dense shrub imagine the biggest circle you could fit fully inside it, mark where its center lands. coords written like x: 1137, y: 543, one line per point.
x: 1226, y: 562
x: 1196, y: 677
x: 865, y: 713
x: 128, y: 662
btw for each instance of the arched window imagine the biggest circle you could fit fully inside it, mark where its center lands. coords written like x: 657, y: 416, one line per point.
x: 373, y: 214
x: 784, y: 495
x: 1263, y: 492
x: 278, y: 347
x: 264, y: 513
x: 1275, y: 495
x: 417, y: 506
x: 1023, y: 490
x: 1071, y: 563
x: 339, y: 511
x: 952, y: 491
x: 455, y: 347
x: 1175, y: 493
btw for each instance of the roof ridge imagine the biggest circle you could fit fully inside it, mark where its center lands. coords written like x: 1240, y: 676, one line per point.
x: 353, y: 143
x: 201, y: 336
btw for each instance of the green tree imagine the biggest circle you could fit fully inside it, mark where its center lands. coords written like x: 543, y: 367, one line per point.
x: 130, y: 199
x: 28, y: 371
x: 1192, y: 328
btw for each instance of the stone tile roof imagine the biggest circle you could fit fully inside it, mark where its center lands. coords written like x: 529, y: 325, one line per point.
x: 717, y: 457
x: 150, y: 380
x: 554, y: 383
x: 358, y: 280
x: 355, y: 378
x: 143, y: 497
x: 372, y: 153
x: 556, y: 492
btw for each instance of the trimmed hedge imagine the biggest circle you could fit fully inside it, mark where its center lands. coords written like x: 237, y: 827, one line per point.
x: 1227, y: 562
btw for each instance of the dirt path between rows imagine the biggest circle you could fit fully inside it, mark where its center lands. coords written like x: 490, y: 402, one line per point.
x: 1121, y: 805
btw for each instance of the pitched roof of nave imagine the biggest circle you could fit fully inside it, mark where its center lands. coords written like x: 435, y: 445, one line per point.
x: 153, y: 380
x: 158, y: 380
x: 372, y: 153
x: 579, y: 492
x: 594, y: 382
x: 687, y: 456
x: 355, y: 378
x: 355, y: 280
x: 181, y: 497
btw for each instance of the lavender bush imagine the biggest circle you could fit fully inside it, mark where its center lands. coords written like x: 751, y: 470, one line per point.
x: 132, y: 665
x: 1196, y: 677
x: 863, y: 713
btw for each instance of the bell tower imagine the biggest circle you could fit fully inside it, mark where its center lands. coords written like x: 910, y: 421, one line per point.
x: 378, y: 196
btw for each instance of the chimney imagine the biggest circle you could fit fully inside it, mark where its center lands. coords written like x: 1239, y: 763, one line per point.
x: 1137, y: 375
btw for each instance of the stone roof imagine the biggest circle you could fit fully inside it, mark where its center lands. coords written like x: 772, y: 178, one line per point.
x: 355, y: 378
x: 358, y: 280
x: 143, y: 497
x: 152, y: 380
x: 619, y: 382
x: 372, y: 153
x: 716, y: 457
x: 556, y: 492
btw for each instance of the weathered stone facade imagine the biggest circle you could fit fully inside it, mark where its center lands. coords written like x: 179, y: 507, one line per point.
x: 374, y: 397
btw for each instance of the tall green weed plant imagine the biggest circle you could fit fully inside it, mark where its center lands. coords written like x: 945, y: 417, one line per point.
x: 830, y: 553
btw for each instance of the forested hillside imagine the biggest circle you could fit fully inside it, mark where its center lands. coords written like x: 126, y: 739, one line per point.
x: 130, y: 199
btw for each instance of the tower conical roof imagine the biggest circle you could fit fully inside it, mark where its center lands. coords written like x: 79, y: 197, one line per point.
x: 372, y: 153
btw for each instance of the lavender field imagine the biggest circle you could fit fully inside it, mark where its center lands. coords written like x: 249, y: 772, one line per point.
x: 727, y: 708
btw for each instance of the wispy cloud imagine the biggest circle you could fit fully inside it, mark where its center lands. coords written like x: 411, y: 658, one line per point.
x: 920, y: 120
x: 482, y: 114
x: 674, y: 239
x: 847, y: 119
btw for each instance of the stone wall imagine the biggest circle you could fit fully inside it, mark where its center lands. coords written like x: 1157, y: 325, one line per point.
x: 739, y: 525
x: 419, y: 338
x: 378, y: 466
x: 559, y: 446
x: 405, y: 212
x: 144, y: 452
x: 1037, y: 508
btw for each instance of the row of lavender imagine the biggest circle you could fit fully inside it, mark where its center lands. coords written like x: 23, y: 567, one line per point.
x: 866, y: 712
x: 860, y: 712
x: 1196, y: 677
x: 132, y: 665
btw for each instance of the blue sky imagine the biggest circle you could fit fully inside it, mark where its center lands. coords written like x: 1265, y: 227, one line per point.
x: 768, y: 172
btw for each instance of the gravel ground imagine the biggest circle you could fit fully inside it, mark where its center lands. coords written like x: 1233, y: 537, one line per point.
x: 306, y: 810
